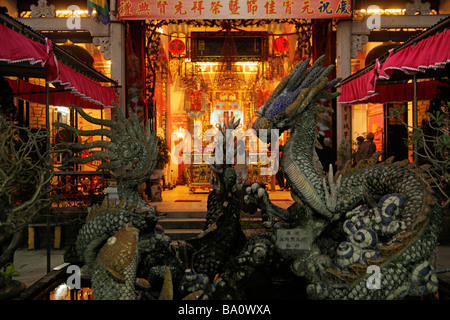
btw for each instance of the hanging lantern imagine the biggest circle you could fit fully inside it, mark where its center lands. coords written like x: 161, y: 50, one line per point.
x: 176, y: 46
x: 280, y: 44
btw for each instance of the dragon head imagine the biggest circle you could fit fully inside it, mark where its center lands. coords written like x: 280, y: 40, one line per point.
x: 297, y: 92
x: 129, y: 153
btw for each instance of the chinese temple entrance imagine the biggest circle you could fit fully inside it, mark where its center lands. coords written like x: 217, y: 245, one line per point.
x: 204, y: 65
x: 207, y: 72
x: 225, y: 73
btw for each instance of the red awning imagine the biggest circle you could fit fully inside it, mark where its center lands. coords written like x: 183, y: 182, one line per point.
x: 360, y: 89
x: 84, y: 87
x: 430, y: 53
x: 35, y: 93
x: 401, y: 92
x: 18, y: 48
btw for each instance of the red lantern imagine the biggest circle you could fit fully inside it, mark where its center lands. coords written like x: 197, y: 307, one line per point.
x: 280, y: 44
x: 177, y: 46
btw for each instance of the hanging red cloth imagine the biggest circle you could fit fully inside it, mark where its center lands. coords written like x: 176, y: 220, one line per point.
x: 360, y: 89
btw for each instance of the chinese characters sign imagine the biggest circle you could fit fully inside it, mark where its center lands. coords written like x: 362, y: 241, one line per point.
x: 291, y: 242
x: 232, y: 9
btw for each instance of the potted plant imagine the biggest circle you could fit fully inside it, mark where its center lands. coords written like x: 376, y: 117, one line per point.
x: 10, y: 288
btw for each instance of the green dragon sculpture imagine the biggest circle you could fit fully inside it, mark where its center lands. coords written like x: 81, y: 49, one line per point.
x: 381, y: 216
x: 223, y: 252
x: 108, y: 243
x: 129, y: 152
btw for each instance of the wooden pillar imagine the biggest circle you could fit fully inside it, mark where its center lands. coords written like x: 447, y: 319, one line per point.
x: 344, y: 69
x: 31, y: 244
x: 116, y: 29
x: 57, y: 239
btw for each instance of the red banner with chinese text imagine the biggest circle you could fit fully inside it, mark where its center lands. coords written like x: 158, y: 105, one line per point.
x: 232, y: 9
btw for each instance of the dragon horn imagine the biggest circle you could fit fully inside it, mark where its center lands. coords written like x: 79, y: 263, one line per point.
x: 297, y: 77
x: 283, y: 83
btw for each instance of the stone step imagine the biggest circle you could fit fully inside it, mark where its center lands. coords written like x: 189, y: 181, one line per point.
x: 196, y: 215
x: 182, y: 234
x: 182, y: 223
x: 183, y: 214
x: 179, y: 226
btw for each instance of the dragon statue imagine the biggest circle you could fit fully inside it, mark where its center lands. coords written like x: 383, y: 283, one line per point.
x: 126, y: 254
x: 116, y: 233
x: 375, y: 216
x: 129, y: 151
x: 381, y: 215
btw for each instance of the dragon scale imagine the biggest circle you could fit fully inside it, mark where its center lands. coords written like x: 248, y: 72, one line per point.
x: 399, y: 252
x: 296, y: 162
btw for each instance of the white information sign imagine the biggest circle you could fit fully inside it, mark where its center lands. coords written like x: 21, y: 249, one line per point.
x: 291, y: 241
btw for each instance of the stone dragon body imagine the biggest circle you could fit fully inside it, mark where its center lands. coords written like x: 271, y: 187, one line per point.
x: 381, y: 214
